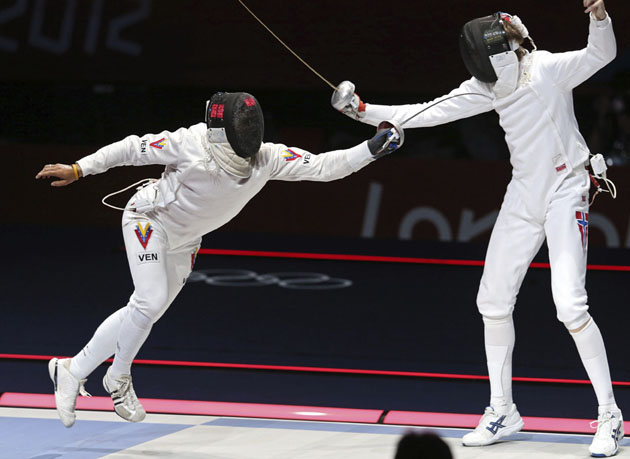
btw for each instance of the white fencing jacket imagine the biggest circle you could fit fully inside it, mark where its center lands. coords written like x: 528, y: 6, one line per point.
x: 195, y: 195
x: 538, y: 118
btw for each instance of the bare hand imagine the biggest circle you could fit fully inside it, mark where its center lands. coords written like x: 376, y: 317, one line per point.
x: 61, y: 171
x: 596, y: 7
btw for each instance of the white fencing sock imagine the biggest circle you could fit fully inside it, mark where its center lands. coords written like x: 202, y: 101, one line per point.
x: 499, y: 340
x: 100, y: 347
x: 132, y: 335
x: 590, y: 345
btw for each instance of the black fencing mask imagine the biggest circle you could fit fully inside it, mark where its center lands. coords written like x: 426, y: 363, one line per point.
x: 480, y: 39
x: 238, y: 119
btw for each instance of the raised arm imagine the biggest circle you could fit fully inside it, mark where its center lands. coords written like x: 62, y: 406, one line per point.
x: 572, y: 68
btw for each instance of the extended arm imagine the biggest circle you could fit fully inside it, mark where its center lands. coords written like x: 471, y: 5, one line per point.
x: 479, y: 100
x: 470, y: 98
x: 132, y: 150
x: 294, y: 164
x: 135, y: 151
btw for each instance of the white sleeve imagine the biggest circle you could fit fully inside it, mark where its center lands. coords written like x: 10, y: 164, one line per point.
x: 159, y: 148
x: 460, y: 106
x: 295, y: 164
x: 570, y: 69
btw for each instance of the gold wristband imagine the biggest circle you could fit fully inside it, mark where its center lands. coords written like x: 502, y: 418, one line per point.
x: 76, y: 171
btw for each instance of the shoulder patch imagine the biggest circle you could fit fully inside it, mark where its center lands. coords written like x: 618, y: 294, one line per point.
x: 159, y: 144
x: 290, y: 155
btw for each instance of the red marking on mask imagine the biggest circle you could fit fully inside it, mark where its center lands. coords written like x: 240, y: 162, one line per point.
x: 217, y: 111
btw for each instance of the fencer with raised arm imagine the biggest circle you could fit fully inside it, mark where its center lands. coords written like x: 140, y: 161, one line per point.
x: 547, y: 197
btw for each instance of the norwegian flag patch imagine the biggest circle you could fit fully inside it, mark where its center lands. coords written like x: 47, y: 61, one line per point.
x: 582, y: 221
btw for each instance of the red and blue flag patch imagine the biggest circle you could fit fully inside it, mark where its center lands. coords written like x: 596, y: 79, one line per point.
x: 582, y: 221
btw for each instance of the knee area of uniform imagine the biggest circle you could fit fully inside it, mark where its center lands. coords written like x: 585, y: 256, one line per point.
x: 577, y: 325
x: 144, y: 314
x: 494, y: 308
x: 489, y: 321
x: 123, y: 312
x: 572, y: 314
x: 146, y: 301
x: 140, y: 320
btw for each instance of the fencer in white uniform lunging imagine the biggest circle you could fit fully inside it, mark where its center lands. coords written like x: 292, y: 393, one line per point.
x: 546, y: 198
x: 212, y: 170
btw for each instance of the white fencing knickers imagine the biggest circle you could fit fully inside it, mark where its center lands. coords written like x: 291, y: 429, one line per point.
x: 518, y: 235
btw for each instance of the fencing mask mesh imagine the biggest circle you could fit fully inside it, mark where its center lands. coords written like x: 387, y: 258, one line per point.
x: 480, y: 39
x: 238, y: 118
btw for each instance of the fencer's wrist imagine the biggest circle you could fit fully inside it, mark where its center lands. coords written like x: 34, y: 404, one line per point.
x: 359, y: 155
x: 83, y: 167
x: 597, y: 20
x: 76, y: 171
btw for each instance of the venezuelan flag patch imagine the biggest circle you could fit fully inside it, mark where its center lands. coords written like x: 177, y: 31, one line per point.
x: 144, y: 234
x: 290, y: 155
x: 159, y: 144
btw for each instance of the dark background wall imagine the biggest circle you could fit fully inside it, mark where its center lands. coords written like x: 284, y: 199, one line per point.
x: 76, y: 75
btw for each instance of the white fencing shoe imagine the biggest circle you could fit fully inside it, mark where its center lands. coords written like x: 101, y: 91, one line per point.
x: 67, y: 389
x: 126, y: 403
x: 494, y: 426
x: 609, y: 433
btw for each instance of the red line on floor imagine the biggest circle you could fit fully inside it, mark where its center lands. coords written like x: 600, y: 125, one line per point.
x: 293, y: 368
x: 378, y: 258
x: 337, y: 256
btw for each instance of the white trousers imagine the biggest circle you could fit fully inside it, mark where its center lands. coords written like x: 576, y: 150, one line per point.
x: 158, y: 276
x: 518, y: 235
x: 158, y: 273
x: 516, y: 238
